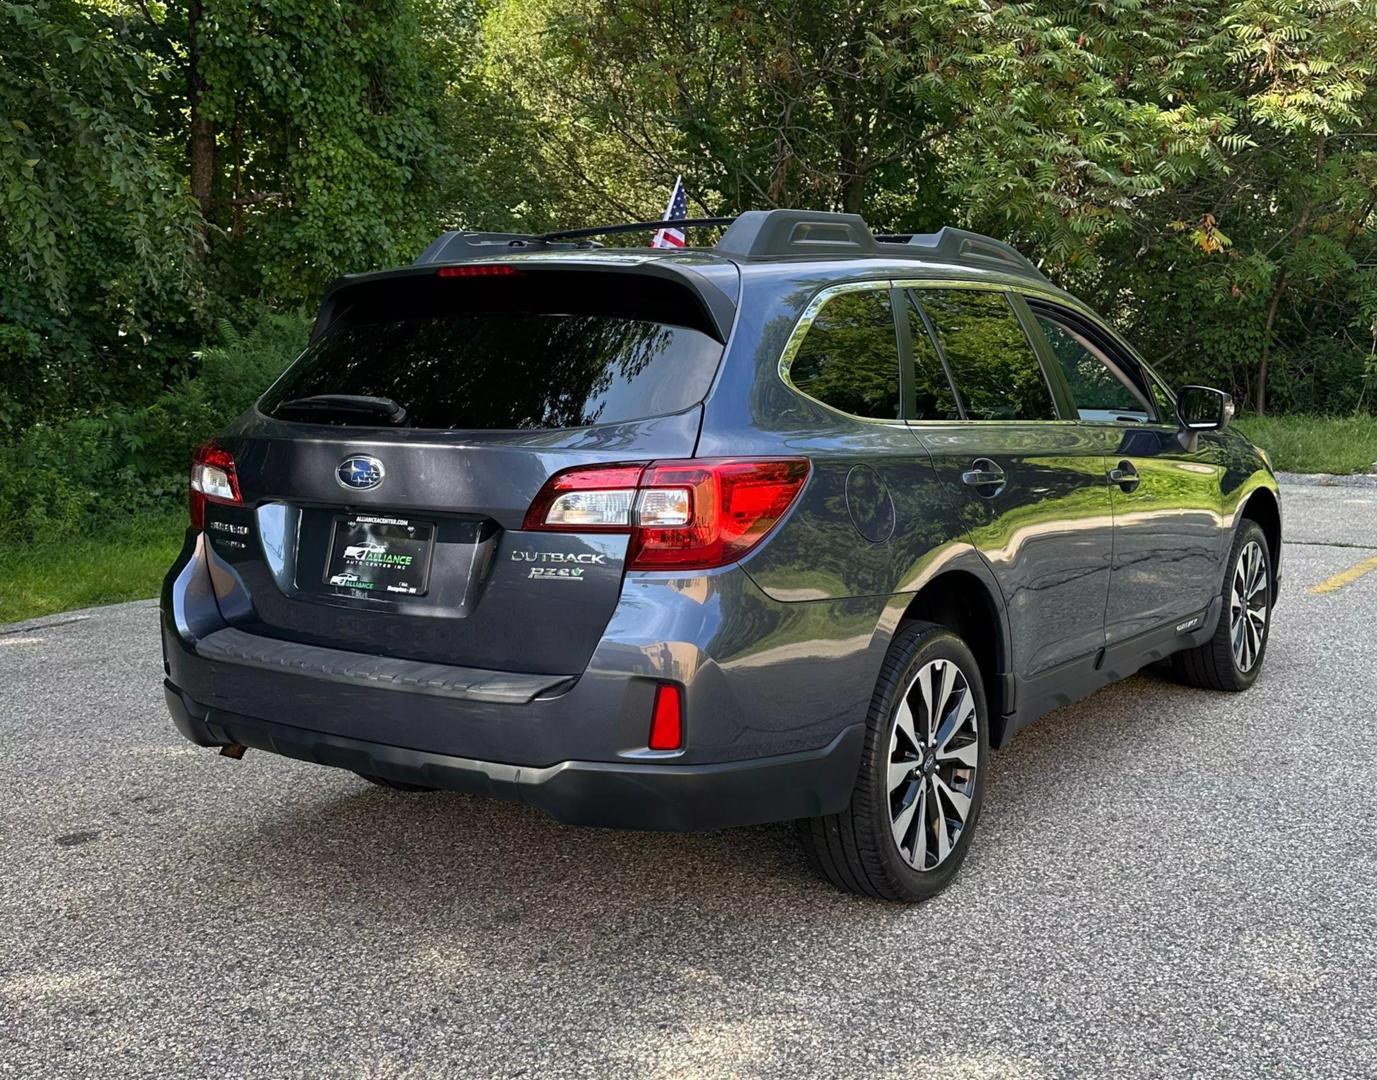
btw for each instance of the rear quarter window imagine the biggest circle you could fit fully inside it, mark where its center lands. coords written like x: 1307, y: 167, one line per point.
x: 849, y: 356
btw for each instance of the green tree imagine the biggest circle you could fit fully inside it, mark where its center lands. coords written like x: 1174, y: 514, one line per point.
x: 312, y: 134
x: 100, y: 288
x: 770, y: 104
x: 1205, y: 170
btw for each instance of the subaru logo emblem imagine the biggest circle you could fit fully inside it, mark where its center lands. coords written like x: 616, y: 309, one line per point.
x: 359, y: 473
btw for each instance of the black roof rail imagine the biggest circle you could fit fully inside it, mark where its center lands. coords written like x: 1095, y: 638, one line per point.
x: 457, y: 246
x: 755, y: 234
x: 961, y: 245
x: 759, y: 234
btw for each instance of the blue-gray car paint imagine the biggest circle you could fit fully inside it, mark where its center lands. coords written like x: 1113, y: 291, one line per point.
x: 778, y: 655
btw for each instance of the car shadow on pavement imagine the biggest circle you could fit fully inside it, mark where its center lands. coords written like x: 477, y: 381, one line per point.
x: 461, y: 886
x: 345, y: 849
x: 450, y: 900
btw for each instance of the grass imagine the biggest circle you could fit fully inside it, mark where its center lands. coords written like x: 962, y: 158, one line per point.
x: 124, y: 562
x: 1315, y: 444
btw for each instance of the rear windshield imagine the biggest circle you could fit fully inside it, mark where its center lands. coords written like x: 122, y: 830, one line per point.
x: 537, y: 350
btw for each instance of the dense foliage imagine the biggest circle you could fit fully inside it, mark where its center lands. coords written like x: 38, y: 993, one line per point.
x: 100, y: 469
x: 1204, y: 171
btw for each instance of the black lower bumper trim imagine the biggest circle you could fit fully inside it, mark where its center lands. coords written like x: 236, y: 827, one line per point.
x: 384, y: 672
x: 625, y: 795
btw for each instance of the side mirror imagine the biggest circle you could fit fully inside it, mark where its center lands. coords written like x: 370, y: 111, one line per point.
x: 1201, y: 408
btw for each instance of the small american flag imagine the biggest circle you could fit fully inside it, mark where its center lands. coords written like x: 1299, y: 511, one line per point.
x: 677, y: 208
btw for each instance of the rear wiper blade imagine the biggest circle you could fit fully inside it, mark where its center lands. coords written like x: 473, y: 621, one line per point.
x: 379, y: 408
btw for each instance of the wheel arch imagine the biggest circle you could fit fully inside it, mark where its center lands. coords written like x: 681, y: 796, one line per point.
x: 1263, y: 508
x: 966, y: 604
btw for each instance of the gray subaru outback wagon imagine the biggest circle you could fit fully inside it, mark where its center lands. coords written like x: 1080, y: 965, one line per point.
x: 798, y: 526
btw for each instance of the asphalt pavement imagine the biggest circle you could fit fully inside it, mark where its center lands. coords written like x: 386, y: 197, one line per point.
x: 1166, y: 882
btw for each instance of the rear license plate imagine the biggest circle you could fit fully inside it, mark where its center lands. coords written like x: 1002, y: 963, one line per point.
x: 380, y: 556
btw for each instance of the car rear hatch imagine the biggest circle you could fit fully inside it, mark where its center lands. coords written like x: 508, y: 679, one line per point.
x: 384, y: 479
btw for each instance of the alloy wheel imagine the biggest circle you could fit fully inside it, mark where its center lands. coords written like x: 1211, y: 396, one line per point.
x: 934, y: 750
x: 1248, y: 606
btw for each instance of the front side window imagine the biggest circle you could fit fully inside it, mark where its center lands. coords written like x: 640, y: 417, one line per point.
x: 849, y: 357
x: 996, y: 370
x: 1099, y: 390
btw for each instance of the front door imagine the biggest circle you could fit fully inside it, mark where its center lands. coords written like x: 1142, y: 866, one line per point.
x: 1166, y: 499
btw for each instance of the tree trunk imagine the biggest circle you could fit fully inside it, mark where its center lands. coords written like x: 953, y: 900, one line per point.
x: 1297, y: 230
x: 201, y: 146
x: 853, y: 194
x: 1260, y: 388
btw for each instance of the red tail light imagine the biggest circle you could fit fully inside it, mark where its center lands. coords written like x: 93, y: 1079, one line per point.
x: 213, y: 479
x: 681, y: 515
x: 667, y: 719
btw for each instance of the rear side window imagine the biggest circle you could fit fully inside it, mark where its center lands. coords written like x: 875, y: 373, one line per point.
x: 849, y: 357
x: 996, y: 371
x: 541, y: 350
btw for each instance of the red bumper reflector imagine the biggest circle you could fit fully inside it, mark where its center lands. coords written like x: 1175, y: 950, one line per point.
x: 667, y: 718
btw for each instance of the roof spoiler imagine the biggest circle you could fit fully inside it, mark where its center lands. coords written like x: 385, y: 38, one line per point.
x: 718, y: 303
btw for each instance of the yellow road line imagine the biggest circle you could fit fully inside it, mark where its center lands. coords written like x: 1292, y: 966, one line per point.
x: 1348, y: 577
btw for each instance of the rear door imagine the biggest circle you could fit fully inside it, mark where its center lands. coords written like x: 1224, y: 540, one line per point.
x: 1166, y: 499
x: 1031, y: 486
x: 385, y: 477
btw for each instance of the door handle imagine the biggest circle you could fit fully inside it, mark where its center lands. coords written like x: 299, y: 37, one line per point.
x: 1125, y: 476
x: 985, y: 476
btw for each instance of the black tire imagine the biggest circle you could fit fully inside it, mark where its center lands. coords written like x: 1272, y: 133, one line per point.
x: 1214, y: 665
x: 856, y: 849
x: 394, y: 785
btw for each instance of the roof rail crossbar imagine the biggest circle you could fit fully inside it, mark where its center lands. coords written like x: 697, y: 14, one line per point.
x: 965, y: 246
x: 637, y: 226
x: 458, y: 246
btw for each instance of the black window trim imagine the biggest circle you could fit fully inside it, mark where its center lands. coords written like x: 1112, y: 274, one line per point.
x: 911, y: 302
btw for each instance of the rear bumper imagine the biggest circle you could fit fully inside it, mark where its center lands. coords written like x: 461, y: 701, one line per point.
x: 760, y: 678
x: 609, y: 794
